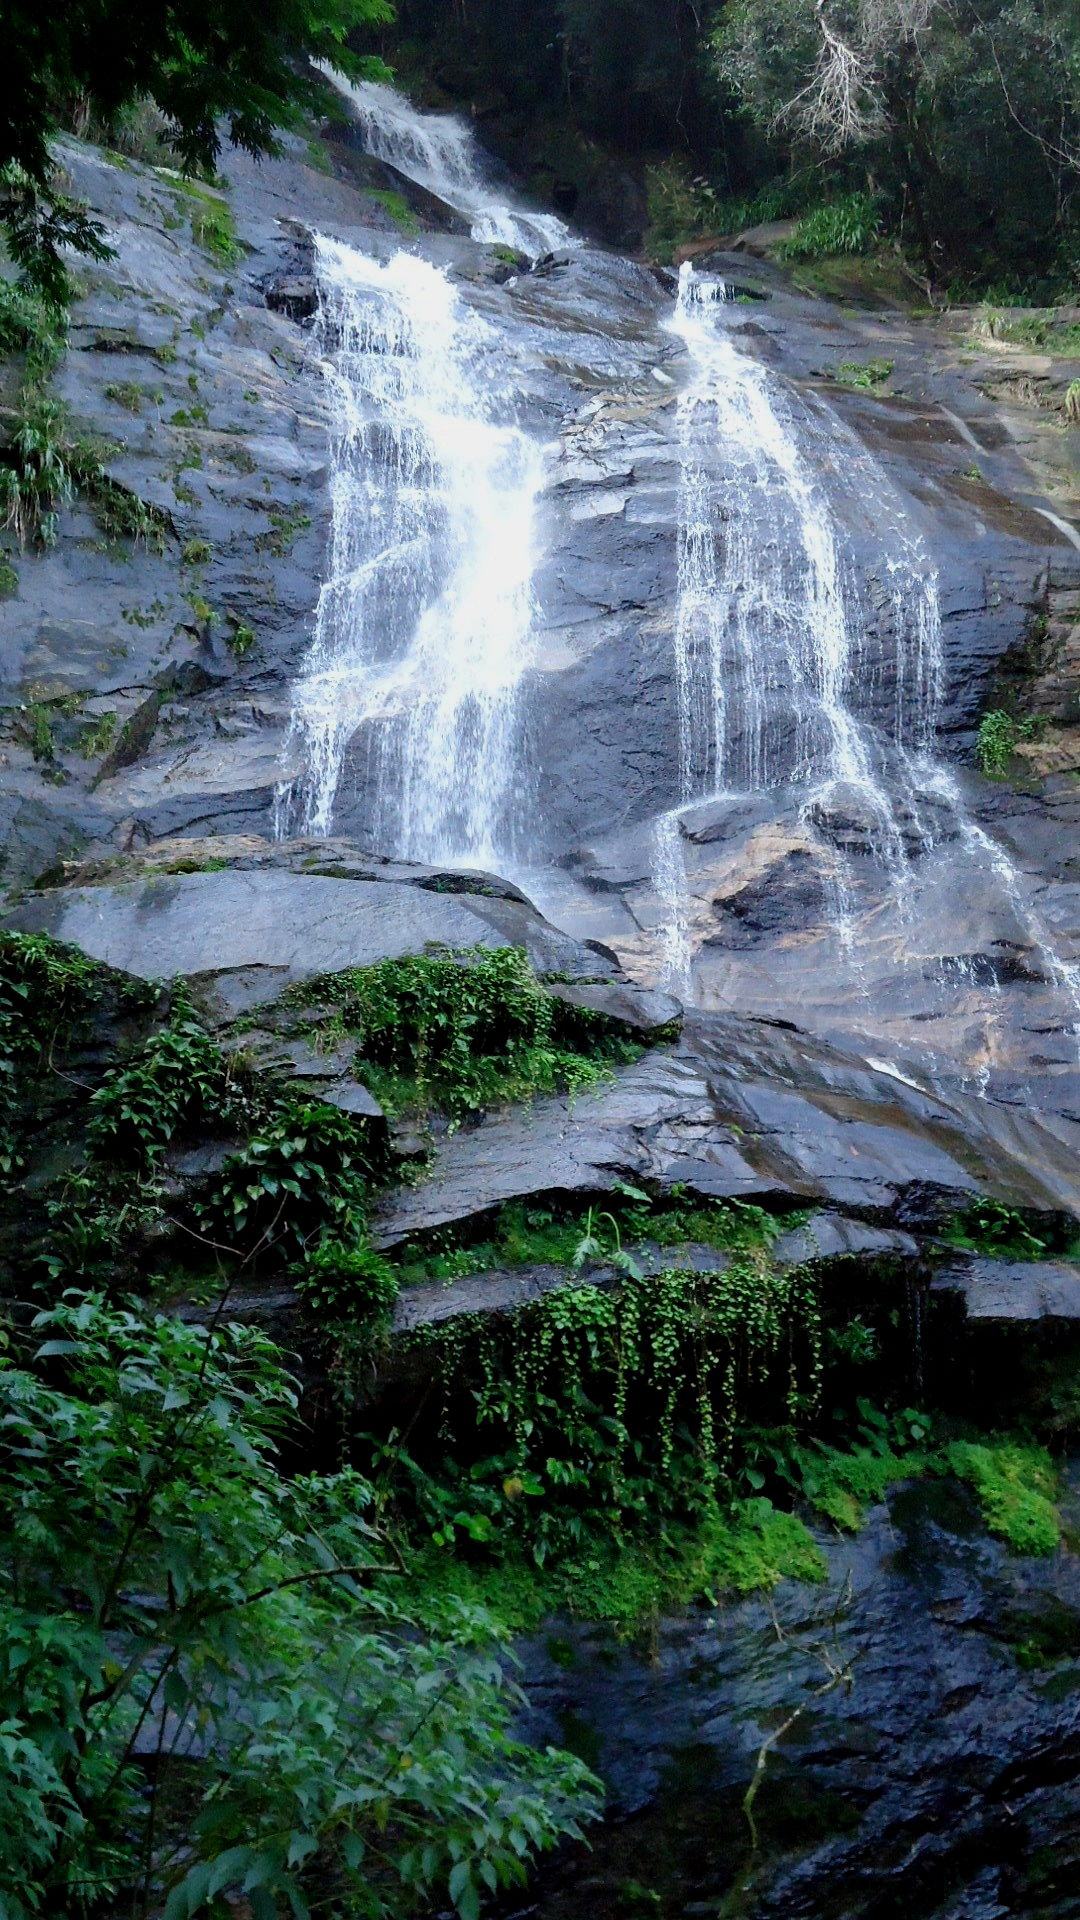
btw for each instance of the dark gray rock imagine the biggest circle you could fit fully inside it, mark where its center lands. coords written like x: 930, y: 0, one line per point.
x: 750, y: 1111
x: 242, y: 923
x: 1013, y: 1290
x: 940, y: 1779
x: 644, y: 1011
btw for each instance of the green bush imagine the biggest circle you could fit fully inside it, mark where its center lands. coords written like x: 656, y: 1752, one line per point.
x: 175, y: 1081
x: 995, y: 743
x: 302, y: 1176
x: 350, y: 1282
x: 866, y: 374
x: 162, y: 1583
x: 461, y: 1032
x: 850, y: 224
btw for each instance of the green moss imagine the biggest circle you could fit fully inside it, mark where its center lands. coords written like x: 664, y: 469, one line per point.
x: 399, y: 211
x: 841, y: 1485
x: 212, y: 225
x: 1016, y: 1488
x: 757, y: 1546
x: 867, y: 374
x: 747, y: 1548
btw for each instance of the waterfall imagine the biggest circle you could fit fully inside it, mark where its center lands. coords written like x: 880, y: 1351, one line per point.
x: 440, y: 152
x: 767, y: 653
x: 424, y: 622
x: 775, y: 685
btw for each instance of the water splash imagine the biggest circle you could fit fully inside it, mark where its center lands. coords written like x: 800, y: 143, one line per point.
x: 440, y: 152
x: 424, y: 624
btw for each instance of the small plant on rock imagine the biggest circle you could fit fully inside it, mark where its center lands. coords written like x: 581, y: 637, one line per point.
x: 995, y: 743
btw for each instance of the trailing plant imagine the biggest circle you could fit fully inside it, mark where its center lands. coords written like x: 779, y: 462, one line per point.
x: 601, y: 1410
x: 164, y: 1590
x: 464, y: 1031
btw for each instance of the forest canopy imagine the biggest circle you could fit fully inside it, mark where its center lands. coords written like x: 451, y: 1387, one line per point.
x: 958, y: 120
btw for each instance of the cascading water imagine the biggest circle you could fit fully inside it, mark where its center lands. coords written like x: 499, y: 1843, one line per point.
x: 775, y: 688
x: 439, y: 152
x: 424, y: 622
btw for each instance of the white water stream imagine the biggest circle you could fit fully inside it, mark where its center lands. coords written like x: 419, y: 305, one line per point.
x: 795, y: 669
x: 424, y: 622
x: 438, y: 151
x: 770, y: 649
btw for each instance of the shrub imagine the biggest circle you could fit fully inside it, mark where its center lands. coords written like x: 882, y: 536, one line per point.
x: 850, y: 224
x: 866, y: 374
x: 162, y: 1584
x: 303, y: 1175
x: 996, y: 743
x: 348, y: 1282
x: 465, y: 1031
x: 175, y: 1081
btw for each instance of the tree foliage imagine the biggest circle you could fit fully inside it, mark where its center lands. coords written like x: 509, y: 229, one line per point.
x: 964, y: 114
x: 238, y: 66
x: 209, y: 1682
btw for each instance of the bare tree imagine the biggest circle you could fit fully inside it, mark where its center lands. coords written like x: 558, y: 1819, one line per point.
x: 840, y: 106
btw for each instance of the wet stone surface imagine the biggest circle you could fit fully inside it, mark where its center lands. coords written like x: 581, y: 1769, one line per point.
x: 944, y: 1780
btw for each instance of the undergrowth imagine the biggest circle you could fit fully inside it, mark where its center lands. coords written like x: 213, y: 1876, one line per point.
x: 1046, y: 330
x: 989, y: 1226
x: 462, y: 1032
x: 541, y: 1233
x: 43, y: 464
x: 848, y: 224
x: 864, y: 374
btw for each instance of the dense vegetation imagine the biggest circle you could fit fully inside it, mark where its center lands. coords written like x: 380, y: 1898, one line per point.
x: 948, y: 127
x: 225, y: 1674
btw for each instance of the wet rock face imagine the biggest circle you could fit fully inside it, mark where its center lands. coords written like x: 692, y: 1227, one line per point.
x: 938, y: 1779
x: 199, y: 369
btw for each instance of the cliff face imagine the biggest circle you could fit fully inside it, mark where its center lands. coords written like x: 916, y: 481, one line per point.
x: 190, y: 357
